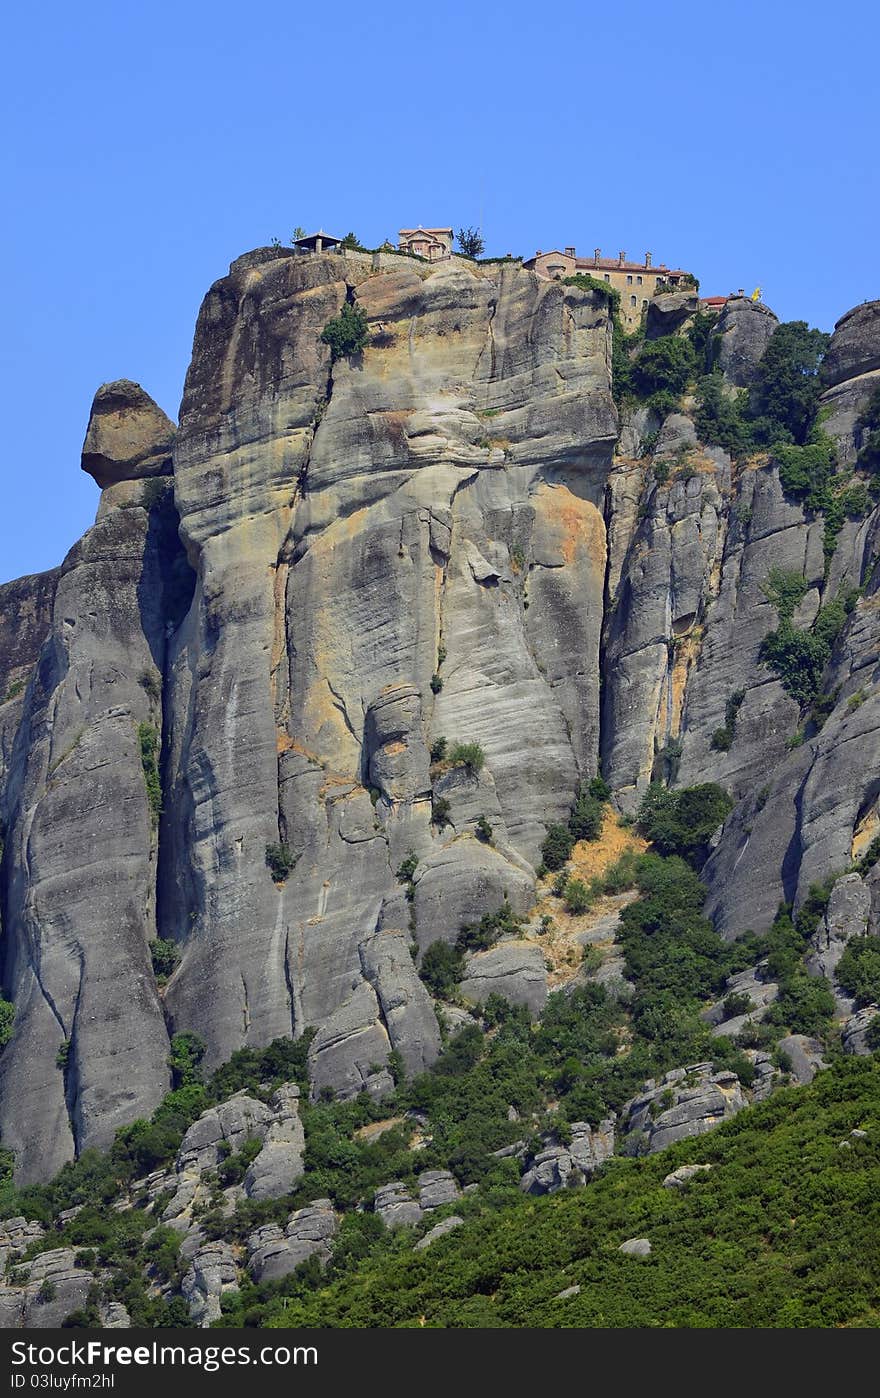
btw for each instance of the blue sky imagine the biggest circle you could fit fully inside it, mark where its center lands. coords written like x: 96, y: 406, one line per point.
x: 145, y: 146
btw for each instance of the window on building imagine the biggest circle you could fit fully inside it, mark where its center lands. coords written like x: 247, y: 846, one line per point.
x: 644, y: 305
x: 638, y: 281
x: 607, y: 277
x: 632, y: 301
x: 629, y: 280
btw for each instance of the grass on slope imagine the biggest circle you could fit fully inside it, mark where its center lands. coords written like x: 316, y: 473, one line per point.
x: 783, y: 1231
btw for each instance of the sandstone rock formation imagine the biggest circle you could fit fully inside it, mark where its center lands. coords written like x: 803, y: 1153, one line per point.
x: 284, y: 605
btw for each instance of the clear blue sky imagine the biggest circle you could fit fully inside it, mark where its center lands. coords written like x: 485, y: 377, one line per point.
x: 146, y: 145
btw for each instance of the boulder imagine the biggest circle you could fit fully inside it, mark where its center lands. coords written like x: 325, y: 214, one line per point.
x: 436, y: 1188
x: 669, y: 312
x: 678, y: 1179
x: 280, y: 1162
x: 805, y: 1056
x: 636, y: 1247
x: 240, y: 1118
x: 855, y: 1031
x: 211, y: 1272
x: 128, y: 436
x: 446, y: 1225
x: 688, y: 1102
x: 512, y: 969
x: 395, y: 1205
x: 745, y: 327
x: 275, y: 1252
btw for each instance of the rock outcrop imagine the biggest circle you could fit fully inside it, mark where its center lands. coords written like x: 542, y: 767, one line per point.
x: 688, y: 1102
x: 221, y: 718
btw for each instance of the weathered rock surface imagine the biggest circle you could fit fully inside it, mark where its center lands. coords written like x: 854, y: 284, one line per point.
x: 53, y: 1287
x: 561, y: 1167
x: 275, y: 1252
x: 680, y: 1178
x: 212, y: 1272
x: 280, y: 1162
x: 512, y: 969
x: 128, y: 436
x: 80, y: 862
x: 805, y: 1056
x: 446, y: 1225
x: 847, y: 915
x: 395, y: 1206
x: 636, y: 1247
x: 855, y: 1031
x: 745, y: 327
x: 349, y: 561
x: 668, y: 313
x: 688, y: 1102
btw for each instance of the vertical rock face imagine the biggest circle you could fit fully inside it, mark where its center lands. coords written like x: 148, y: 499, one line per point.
x: 745, y: 327
x: 79, y: 864
x: 25, y: 618
x: 350, y: 524
x: 217, y: 718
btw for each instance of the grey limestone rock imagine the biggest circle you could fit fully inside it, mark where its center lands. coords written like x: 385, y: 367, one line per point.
x: 680, y: 1178
x: 211, y: 1272
x: 847, y: 915
x: 446, y: 1225
x: 745, y: 327
x: 688, y: 1102
x: 395, y: 1205
x: 54, y: 1287
x: 560, y: 1167
x: 275, y: 1252
x: 636, y: 1247
x: 238, y: 1119
x: 436, y: 1188
x: 512, y: 969
x: 855, y: 1031
x: 670, y: 312
x: 805, y: 1056
x: 280, y: 1162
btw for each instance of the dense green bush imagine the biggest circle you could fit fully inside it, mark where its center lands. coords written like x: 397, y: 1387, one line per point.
x: 148, y: 742
x: 7, y: 1016
x: 165, y: 955
x: 664, y: 365
x: 347, y: 333
x: 280, y: 860
x: 602, y: 289
x: 722, y: 738
x: 787, y: 388
x: 187, y: 1052
x: 441, y: 969
x: 557, y: 847
x: 683, y: 821
x: 468, y: 755
x: 798, y: 657
x: 588, y: 815
x: 858, y: 970
x: 479, y: 936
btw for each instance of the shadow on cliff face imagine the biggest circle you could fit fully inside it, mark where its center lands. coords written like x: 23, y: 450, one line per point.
x: 177, y: 579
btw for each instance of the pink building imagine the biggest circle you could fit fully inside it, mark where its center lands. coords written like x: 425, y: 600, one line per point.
x: 430, y: 243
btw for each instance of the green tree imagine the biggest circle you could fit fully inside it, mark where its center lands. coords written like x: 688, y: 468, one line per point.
x: 7, y: 1015
x: 187, y: 1052
x: 441, y: 969
x: 787, y: 388
x: 347, y: 333
x: 663, y: 366
x: 470, y: 241
x: 682, y: 822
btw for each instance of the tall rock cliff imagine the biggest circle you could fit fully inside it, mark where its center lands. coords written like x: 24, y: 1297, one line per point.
x: 287, y: 603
